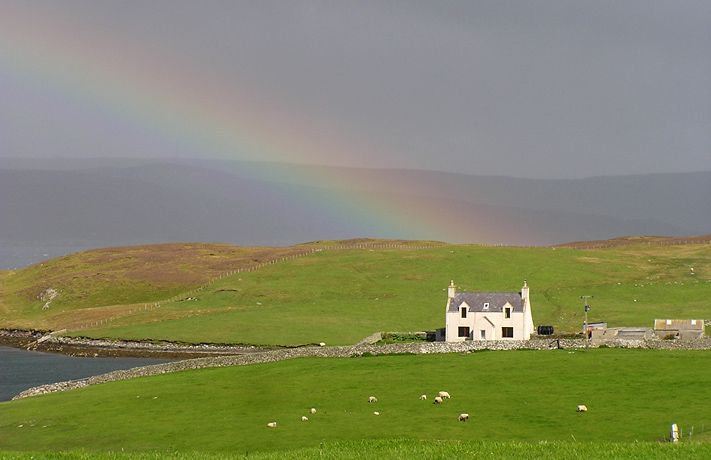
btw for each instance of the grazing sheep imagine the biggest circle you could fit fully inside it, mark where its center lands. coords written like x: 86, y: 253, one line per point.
x: 444, y: 395
x: 376, y: 413
x: 271, y: 424
x: 304, y: 418
x: 423, y: 397
x: 438, y: 400
x: 322, y: 344
x: 372, y: 399
x: 463, y: 417
x: 313, y: 410
x: 582, y: 408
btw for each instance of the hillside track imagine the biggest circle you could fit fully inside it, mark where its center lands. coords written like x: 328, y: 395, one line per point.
x: 144, y: 278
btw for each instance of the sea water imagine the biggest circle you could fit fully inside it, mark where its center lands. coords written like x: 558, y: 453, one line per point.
x: 21, y: 370
x: 17, y: 257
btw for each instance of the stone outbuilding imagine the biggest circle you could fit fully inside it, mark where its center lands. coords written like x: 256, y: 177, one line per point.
x: 683, y: 329
x: 487, y: 315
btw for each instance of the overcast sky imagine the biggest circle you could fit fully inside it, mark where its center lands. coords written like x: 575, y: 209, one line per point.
x: 540, y: 89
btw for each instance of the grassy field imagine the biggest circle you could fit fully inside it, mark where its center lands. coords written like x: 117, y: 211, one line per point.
x: 339, y: 296
x: 421, y: 450
x: 523, y: 396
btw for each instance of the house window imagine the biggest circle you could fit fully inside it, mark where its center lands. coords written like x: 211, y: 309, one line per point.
x: 507, y: 313
x: 463, y: 331
x: 482, y: 334
x: 507, y: 332
x: 486, y: 305
x: 464, y: 312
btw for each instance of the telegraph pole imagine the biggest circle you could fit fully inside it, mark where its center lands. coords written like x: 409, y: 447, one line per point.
x: 585, y: 325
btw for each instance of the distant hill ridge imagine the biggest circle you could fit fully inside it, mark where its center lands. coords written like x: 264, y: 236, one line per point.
x: 113, y: 203
x: 636, y: 240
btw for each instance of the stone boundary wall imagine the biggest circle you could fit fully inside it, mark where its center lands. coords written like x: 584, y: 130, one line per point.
x: 147, y: 346
x: 359, y: 350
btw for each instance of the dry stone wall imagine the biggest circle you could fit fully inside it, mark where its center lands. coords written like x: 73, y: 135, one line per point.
x: 359, y: 350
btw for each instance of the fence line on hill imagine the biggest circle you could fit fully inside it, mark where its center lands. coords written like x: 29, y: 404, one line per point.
x: 604, y: 245
x: 189, y: 294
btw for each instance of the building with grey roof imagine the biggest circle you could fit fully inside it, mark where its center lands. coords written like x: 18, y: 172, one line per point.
x: 488, y: 315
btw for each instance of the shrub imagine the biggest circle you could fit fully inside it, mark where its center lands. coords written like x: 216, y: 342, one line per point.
x: 402, y: 337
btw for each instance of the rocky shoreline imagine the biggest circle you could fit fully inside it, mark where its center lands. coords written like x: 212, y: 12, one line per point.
x: 239, y: 356
x: 47, y: 343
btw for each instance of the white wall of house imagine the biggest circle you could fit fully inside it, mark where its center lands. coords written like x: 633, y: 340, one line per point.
x: 491, y: 323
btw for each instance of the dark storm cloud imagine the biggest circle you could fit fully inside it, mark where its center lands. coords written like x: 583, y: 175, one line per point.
x: 539, y: 89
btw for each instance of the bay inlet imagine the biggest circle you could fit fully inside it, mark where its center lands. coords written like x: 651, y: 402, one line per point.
x: 21, y: 370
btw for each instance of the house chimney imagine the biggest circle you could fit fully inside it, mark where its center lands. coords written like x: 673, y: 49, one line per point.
x: 452, y: 289
x: 524, y: 295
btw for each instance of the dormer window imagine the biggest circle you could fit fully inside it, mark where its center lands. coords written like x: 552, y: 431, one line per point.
x: 507, y: 313
x: 463, y: 312
x: 486, y: 305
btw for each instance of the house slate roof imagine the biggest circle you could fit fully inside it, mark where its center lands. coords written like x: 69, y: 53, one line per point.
x: 496, y: 300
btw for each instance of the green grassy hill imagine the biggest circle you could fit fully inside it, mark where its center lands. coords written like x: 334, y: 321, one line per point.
x: 339, y: 296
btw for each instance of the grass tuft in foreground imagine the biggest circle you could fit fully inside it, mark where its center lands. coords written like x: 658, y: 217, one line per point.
x: 411, y: 449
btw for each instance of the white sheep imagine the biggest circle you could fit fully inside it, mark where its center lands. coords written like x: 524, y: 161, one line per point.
x: 438, y: 400
x: 444, y: 395
x: 313, y: 410
x: 376, y: 413
x: 304, y: 418
x: 463, y: 417
x: 372, y: 399
x: 322, y: 344
x: 582, y: 408
x: 423, y: 397
x: 271, y: 424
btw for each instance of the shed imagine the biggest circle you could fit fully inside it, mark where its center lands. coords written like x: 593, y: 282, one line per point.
x: 683, y: 329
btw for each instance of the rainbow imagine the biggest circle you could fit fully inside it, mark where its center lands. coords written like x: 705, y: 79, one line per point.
x: 177, y: 106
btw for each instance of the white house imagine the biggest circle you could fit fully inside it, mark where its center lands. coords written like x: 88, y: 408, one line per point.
x: 488, y: 315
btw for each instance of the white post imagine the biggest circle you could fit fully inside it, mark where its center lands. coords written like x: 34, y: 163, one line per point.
x: 674, y: 433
